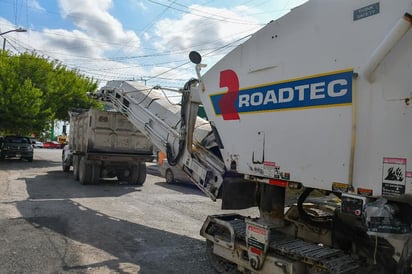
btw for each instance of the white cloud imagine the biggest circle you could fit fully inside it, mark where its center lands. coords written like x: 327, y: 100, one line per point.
x: 204, y: 28
x: 96, y: 33
x: 35, y: 5
x: 71, y: 42
x: 141, y: 5
x: 94, y: 19
x: 146, y: 36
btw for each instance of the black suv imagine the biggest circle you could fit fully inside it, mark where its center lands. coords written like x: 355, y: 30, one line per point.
x: 16, y: 146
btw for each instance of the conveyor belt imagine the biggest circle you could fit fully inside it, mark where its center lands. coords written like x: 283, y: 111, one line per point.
x: 334, y: 260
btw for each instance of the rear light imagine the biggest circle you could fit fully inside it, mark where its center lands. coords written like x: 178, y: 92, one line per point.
x: 294, y: 185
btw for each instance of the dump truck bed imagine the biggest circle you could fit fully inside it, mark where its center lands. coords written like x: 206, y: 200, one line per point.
x: 108, y: 132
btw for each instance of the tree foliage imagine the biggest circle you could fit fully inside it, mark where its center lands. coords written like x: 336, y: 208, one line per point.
x: 35, y: 91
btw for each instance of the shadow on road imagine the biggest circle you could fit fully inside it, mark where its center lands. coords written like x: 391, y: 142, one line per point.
x: 63, y: 186
x: 63, y: 234
x: 18, y: 164
x: 134, y: 246
x: 153, y: 169
x: 56, y: 234
x: 70, y: 231
x: 182, y: 187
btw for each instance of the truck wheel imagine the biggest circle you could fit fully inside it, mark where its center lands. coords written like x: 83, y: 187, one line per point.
x: 142, y: 174
x: 169, y: 176
x: 66, y: 168
x: 95, y: 174
x: 138, y: 174
x: 220, y: 264
x: 76, y: 167
x: 85, y: 172
x: 120, y: 177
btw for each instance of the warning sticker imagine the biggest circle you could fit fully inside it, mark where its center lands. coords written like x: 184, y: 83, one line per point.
x: 408, y: 189
x: 393, y: 176
x: 256, y: 236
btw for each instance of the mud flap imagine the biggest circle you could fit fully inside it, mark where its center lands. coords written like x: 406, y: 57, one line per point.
x: 238, y: 193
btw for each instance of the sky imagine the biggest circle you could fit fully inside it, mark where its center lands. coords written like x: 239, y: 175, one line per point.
x: 144, y: 40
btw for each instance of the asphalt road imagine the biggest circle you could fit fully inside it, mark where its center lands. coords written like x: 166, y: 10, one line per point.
x: 49, y: 223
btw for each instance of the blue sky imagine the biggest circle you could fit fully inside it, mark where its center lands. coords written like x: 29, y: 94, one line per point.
x: 131, y: 39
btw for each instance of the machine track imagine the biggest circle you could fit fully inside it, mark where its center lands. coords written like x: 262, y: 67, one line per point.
x: 335, y: 261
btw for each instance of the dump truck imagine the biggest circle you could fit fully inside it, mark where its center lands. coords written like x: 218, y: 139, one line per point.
x: 317, y: 102
x: 104, y: 144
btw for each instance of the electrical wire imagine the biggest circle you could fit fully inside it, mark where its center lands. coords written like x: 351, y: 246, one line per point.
x: 108, y: 72
x: 210, y: 16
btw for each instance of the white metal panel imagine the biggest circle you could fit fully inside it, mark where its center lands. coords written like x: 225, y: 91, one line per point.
x: 109, y: 132
x: 311, y: 141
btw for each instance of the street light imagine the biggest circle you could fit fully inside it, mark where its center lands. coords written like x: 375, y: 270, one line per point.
x: 13, y: 30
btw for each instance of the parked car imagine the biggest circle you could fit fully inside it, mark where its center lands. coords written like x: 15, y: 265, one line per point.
x: 52, y: 144
x: 170, y: 173
x: 16, y: 147
x: 36, y: 143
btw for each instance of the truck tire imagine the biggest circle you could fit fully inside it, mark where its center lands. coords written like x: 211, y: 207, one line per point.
x: 95, y: 174
x: 76, y: 167
x: 169, y: 176
x: 142, y: 174
x: 64, y: 166
x: 85, y: 172
x: 138, y: 174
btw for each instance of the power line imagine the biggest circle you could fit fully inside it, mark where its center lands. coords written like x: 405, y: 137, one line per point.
x: 210, y: 16
x: 79, y: 62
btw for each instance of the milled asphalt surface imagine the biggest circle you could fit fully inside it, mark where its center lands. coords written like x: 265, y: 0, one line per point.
x: 49, y: 223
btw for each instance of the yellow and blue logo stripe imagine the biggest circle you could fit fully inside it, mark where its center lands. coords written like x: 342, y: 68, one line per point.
x: 322, y: 90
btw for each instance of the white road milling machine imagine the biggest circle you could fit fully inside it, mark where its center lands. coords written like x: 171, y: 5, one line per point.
x: 318, y: 101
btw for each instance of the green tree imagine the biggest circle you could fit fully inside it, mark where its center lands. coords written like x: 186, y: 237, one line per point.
x: 35, y: 91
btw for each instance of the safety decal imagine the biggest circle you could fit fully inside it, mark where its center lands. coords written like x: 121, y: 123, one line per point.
x: 393, y: 176
x: 408, y: 182
x: 367, y: 11
x: 325, y: 90
x: 256, y: 238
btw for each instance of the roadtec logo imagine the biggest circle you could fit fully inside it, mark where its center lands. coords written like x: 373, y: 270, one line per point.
x: 325, y: 90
